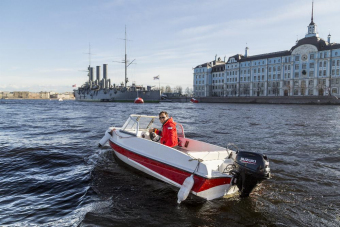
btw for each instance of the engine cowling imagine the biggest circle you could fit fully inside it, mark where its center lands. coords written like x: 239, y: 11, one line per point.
x: 251, y: 169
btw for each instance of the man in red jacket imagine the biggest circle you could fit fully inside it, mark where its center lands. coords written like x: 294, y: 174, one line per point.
x: 169, y: 131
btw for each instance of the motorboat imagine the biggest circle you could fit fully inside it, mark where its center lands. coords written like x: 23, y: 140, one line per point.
x: 205, y: 170
x: 193, y: 100
x: 60, y: 100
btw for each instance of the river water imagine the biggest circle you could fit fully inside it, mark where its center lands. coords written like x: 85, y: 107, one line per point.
x: 53, y: 173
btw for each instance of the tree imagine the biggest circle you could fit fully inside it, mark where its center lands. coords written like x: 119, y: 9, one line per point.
x: 178, y: 89
x: 275, y: 89
x: 168, y: 89
x: 246, y: 89
x: 162, y: 89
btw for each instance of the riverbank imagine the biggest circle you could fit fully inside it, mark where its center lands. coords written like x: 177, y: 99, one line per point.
x: 317, y: 100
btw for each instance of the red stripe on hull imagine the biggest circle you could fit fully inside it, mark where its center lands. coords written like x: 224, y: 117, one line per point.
x: 170, y: 172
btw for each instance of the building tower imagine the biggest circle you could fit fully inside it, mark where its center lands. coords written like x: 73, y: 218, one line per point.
x: 312, y: 27
x: 246, y: 52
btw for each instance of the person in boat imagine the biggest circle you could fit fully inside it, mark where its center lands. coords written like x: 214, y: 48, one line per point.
x: 168, y: 133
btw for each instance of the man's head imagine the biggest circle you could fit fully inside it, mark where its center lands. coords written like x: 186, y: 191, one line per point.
x: 163, y: 116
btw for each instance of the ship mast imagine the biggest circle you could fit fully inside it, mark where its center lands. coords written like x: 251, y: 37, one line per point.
x: 126, y: 79
x: 125, y: 61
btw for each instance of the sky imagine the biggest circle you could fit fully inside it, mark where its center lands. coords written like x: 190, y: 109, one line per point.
x: 44, y: 44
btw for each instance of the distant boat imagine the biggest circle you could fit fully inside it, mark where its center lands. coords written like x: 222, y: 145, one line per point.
x: 193, y: 100
x: 60, y: 99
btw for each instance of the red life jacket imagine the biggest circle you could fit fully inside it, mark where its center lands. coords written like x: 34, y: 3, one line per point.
x: 169, y: 133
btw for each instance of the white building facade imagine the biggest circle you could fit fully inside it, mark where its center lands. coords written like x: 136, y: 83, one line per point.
x: 311, y: 67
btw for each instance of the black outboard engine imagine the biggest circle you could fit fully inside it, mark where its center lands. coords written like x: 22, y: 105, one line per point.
x: 251, y: 169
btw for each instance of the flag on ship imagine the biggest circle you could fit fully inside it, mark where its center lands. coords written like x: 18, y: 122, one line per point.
x: 156, y: 77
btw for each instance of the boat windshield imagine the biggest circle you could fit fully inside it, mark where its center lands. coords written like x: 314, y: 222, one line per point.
x: 137, y: 123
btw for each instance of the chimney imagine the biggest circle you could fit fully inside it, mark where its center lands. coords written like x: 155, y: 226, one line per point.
x: 215, y: 57
x: 224, y: 58
x: 329, y: 38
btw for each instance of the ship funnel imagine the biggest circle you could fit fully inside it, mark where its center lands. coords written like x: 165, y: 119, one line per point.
x: 91, y: 74
x: 105, y: 76
x: 105, y: 71
x: 98, y: 72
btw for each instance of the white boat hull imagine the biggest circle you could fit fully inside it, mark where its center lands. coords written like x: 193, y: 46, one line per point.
x: 204, y: 187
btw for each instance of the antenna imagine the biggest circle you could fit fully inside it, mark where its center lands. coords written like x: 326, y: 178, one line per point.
x: 312, y: 9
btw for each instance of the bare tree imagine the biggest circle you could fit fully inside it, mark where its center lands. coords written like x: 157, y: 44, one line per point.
x: 168, y: 89
x: 178, y: 89
x: 246, y: 89
x: 275, y: 89
x: 162, y: 89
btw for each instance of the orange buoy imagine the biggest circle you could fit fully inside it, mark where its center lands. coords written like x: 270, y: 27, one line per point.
x: 139, y: 100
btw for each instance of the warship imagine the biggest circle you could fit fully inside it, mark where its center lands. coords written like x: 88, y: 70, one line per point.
x: 101, y: 90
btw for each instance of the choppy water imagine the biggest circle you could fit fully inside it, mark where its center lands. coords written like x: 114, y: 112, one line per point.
x: 53, y: 174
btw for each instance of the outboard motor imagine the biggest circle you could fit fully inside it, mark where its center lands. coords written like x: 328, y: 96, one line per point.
x: 251, y: 169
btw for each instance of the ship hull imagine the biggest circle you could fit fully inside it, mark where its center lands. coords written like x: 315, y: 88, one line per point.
x: 112, y: 95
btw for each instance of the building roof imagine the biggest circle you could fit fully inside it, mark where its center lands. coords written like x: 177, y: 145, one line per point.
x: 203, y: 65
x: 317, y: 42
x: 267, y: 55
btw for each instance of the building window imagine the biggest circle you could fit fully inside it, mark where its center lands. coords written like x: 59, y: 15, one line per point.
x: 324, y: 64
x: 326, y: 55
x: 296, y: 75
x: 320, y: 55
x: 324, y: 72
x: 311, y: 65
x: 297, y: 66
x: 336, y: 53
x: 337, y: 72
x: 297, y: 58
x: 304, y: 66
x: 320, y: 64
x: 320, y: 72
x: 333, y: 71
x: 288, y: 67
x: 337, y: 62
x: 311, y: 73
x: 312, y: 56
